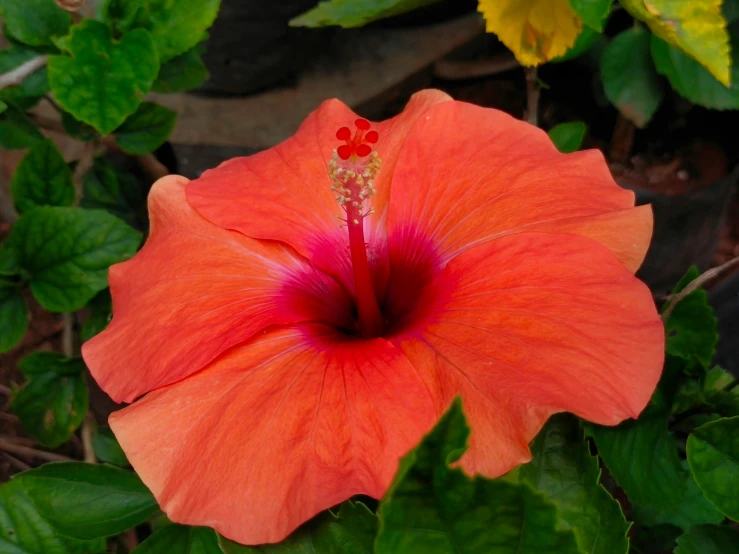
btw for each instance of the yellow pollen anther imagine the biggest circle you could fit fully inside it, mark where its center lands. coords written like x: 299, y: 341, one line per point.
x: 352, y: 182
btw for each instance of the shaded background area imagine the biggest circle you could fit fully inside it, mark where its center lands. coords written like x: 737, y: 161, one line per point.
x: 266, y: 77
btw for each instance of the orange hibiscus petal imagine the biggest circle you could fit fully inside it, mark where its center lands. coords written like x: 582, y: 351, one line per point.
x: 528, y: 325
x: 277, y: 430
x: 469, y: 174
x: 193, y: 291
x: 284, y: 193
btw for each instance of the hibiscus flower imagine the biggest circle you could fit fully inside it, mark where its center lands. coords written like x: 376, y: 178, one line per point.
x: 299, y: 318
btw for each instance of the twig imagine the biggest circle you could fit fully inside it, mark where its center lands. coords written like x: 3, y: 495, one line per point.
x: 532, y: 96
x: 68, y: 350
x: 4, y: 390
x: 152, y: 167
x: 696, y: 283
x: 9, y: 417
x: 455, y: 70
x: 48, y: 123
x: 53, y: 104
x: 86, y: 435
x: 70, y: 5
x: 19, y: 74
x: 68, y: 334
x: 23, y: 441
x: 23, y: 466
x: 25, y: 452
x: 87, y: 158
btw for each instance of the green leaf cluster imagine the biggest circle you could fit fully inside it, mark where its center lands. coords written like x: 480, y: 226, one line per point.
x: 53, y: 402
x: 678, y: 463
x: 70, y: 508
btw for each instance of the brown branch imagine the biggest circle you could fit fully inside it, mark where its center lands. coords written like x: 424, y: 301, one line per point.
x: 68, y: 334
x: 152, y: 167
x: 532, y: 96
x: 30, y: 453
x: 18, y: 75
x: 87, y: 159
x: 22, y: 466
x: 86, y: 435
x: 456, y: 70
x: 4, y: 390
x: 48, y: 123
x: 70, y: 5
x: 674, y: 299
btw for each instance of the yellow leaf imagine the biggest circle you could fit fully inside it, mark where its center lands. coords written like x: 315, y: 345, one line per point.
x: 697, y: 27
x: 535, y: 30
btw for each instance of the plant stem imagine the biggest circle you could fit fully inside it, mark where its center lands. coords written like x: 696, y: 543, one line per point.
x: 696, y: 283
x: 68, y: 350
x: 26, y: 452
x: 532, y: 96
x: 86, y: 435
x: 68, y: 334
x: 87, y: 158
x: 23, y: 466
x: 19, y: 74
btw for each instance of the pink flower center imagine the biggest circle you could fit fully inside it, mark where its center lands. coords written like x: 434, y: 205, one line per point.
x: 352, y: 170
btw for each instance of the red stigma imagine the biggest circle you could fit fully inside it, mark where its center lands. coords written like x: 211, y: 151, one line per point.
x: 344, y: 133
x: 358, y: 145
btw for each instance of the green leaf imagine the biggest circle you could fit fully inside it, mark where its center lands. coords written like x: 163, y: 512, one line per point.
x: 106, y: 447
x: 642, y: 457
x: 708, y: 539
x: 694, y: 82
x: 563, y: 469
x: 697, y: 28
x: 3, y: 106
x: 694, y: 509
x: 568, y: 137
x: 33, y: 87
x: 67, y: 253
x: 176, y: 27
x: 182, y: 540
x: 53, y: 404
x: 115, y: 191
x: 102, y: 81
x: 351, y: 531
x: 35, y: 22
x: 120, y: 14
x: 16, y: 130
x: 691, y: 327
x: 24, y: 531
x: 13, y: 316
x: 185, y: 72
x: 42, y: 178
x: 584, y: 42
x: 433, y: 508
x: 630, y: 80
x: 86, y: 501
x: 716, y: 379
x: 8, y: 260
x: 146, y: 130
x: 730, y: 9
x: 101, y: 309
x: 592, y: 12
x: 713, y: 455
x: 650, y: 540
x: 355, y: 13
